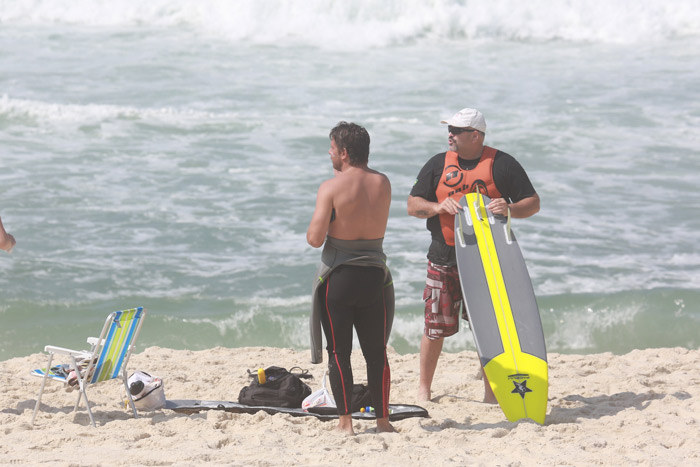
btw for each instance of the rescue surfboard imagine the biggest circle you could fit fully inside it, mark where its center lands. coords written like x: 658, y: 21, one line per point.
x: 502, y: 309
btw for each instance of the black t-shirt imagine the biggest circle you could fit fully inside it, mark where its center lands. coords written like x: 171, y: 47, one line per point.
x: 508, y: 175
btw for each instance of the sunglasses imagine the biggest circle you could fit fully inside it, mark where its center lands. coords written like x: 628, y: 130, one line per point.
x: 457, y: 131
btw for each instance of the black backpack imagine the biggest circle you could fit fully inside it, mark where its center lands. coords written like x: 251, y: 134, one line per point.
x: 282, y: 388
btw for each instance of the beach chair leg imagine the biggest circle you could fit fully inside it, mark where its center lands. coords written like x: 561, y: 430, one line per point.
x: 128, y: 393
x: 41, y: 390
x: 80, y: 395
x: 87, y: 404
x: 80, y: 384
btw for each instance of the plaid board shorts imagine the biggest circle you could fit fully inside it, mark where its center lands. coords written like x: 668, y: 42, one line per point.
x: 443, y: 299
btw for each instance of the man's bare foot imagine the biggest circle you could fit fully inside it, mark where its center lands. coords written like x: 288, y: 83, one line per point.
x: 345, y: 425
x: 424, y: 395
x: 383, y: 426
x: 345, y: 431
x: 490, y: 399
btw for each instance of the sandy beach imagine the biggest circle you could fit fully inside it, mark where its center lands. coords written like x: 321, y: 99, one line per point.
x: 641, y: 408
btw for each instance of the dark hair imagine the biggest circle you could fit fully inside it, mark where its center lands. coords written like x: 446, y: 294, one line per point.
x: 354, y: 139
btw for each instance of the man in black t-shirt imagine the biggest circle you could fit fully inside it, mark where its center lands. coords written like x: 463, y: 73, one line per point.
x: 469, y: 166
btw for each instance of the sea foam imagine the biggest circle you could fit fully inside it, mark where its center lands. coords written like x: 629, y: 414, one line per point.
x: 378, y: 23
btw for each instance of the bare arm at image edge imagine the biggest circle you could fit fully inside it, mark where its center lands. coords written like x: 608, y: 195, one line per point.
x: 7, y: 241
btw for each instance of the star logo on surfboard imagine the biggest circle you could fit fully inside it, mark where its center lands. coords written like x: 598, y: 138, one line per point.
x: 521, y: 388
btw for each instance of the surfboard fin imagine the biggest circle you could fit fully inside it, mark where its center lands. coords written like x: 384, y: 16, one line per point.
x: 460, y: 235
x: 477, y: 208
x: 509, y: 234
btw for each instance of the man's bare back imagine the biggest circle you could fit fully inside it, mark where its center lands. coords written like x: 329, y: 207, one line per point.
x: 360, y: 197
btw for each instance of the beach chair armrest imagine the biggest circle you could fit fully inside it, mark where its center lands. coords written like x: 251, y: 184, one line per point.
x: 93, y: 340
x: 64, y: 351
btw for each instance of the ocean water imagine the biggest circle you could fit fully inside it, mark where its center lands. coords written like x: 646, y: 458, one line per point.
x: 167, y: 154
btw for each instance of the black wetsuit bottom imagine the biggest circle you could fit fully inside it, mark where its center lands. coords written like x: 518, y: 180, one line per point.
x: 354, y: 296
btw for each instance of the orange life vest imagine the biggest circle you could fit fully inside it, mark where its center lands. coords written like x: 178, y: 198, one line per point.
x: 455, y: 182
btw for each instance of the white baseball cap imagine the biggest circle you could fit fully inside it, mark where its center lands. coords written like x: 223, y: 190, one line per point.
x: 467, y: 118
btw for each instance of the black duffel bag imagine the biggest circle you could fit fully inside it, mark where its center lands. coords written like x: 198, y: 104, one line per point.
x: 282, y: 388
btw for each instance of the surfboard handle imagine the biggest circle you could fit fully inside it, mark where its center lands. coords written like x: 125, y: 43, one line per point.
x: 477, y: 209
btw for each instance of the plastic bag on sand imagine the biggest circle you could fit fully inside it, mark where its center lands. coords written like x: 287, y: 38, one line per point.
x: 319, y: 398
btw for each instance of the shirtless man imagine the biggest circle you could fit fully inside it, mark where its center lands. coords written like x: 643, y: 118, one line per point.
x: 7, y: 241
x: 351, y: 214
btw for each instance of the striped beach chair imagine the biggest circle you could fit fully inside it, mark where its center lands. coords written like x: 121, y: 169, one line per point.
x: 107, y: 358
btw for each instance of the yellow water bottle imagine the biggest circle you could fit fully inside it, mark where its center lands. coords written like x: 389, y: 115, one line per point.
x: 261, y: 376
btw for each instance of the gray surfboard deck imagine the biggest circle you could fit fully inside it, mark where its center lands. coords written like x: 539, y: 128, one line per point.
x: 518, y: 284
x: 397, y: 411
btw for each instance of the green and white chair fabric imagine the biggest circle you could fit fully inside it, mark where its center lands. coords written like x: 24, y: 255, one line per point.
x: 107, y: 358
